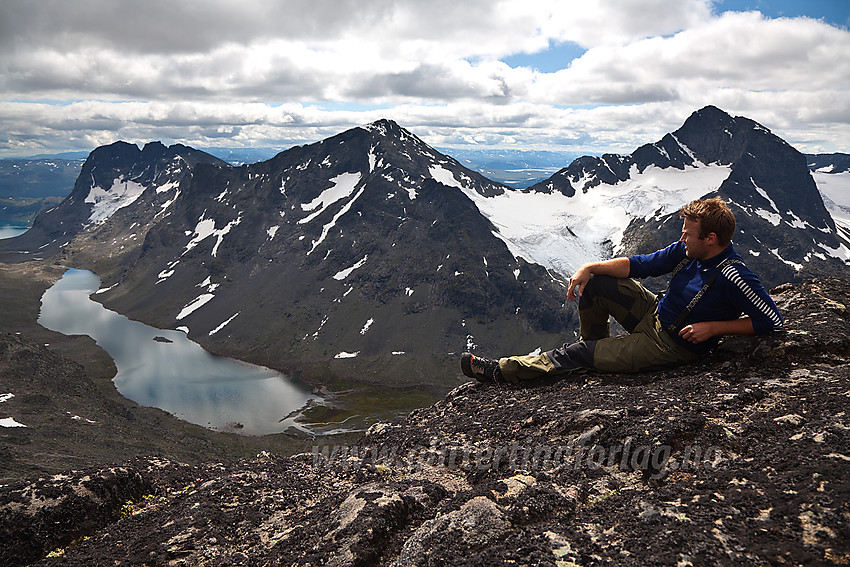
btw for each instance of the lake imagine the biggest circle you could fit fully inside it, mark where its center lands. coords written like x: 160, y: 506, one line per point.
x: 10, y: 231
x: 164, y: 369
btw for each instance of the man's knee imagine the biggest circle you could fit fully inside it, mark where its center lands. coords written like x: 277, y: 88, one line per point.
x: 573, y: 356
x: 598, y: 285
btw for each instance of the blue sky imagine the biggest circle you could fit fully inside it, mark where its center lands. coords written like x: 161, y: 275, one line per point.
x: 559, y: 75
x: 836, y: 12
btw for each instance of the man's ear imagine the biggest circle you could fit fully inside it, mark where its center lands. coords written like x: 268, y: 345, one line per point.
x: 711, y: 238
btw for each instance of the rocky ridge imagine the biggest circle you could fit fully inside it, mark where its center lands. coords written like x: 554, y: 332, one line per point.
x: 739, y: 459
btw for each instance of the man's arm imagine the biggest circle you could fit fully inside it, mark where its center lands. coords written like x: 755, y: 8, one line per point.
x: 699, y: 332
x: 617, y: 267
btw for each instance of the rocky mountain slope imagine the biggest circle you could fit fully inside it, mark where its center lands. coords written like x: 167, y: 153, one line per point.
x: 742, y: 458
x: 356, y: 257
x: 829, y: 163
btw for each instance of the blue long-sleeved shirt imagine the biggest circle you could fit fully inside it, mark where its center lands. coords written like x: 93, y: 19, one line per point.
x: 736, y: 291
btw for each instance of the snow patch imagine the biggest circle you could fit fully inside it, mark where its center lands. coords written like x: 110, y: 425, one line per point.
x: 206, y: 228
x: 796, y: 222
x: 105, y: 202
x: 199, y: 302
x: 775, y: 252
x: 344, y: 354
x: 343, y: 187
x: 842, y: 252
x: 223, y: 325
x: 165, y: 187
x: 366, y: 326
x: 10, y: 422
x: 342, y: 274
x: 80, y: 418
x: 207, y: 283
x: 764, y: 194
x: 168, y: 271
x: 835, y: 190
x: 373, y: 161
x: 444, y: 176
x: 772, y: 218
x: 322, y: 324
x: 272, y: 231
x: 101, y: 290
x: 326, y: 229
x: 6, y: 397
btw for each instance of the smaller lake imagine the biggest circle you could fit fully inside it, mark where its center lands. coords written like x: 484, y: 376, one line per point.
x: 11, y: 231
x: 164, y: 369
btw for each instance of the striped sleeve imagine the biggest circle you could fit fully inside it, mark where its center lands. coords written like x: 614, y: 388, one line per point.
x: 754, y: 299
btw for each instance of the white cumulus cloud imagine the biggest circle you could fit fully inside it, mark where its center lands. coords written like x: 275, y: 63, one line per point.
x: 275, y: 73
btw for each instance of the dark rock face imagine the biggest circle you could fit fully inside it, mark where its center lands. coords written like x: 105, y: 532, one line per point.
x: 830, y: 163
x: 742, y: 458
x: 108, y: 168
x: 86, y: 503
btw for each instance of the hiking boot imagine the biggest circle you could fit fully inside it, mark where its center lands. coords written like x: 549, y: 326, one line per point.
x: 482, y: 369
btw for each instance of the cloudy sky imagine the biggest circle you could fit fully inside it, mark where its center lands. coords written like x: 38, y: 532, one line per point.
x: 565, y: 75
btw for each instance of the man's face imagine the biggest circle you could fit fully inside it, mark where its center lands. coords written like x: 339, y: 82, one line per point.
x: 695, y: 247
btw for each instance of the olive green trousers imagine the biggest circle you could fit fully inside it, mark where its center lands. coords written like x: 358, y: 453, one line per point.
x: 646, y: 345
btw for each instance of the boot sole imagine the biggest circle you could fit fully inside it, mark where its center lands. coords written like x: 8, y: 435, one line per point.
x: 466, y: 366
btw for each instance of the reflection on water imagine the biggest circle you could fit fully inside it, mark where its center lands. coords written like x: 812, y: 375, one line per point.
x: 10, y: 231
x: 164, y: 369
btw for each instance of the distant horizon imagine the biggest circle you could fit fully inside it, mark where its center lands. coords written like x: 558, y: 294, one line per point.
x: 271, y: 151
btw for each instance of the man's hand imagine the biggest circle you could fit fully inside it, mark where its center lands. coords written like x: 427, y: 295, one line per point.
x: 578, y: 281
x: 617, y: 267
x: 697, y: 332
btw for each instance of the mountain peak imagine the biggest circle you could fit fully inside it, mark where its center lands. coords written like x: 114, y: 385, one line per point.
x: 764, y: 179
x: 711, y: 112
x: 384, y: 127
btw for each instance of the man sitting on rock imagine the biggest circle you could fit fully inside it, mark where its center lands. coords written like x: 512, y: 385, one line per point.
x: 709, y: 290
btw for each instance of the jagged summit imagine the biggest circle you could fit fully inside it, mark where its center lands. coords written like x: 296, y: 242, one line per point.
x: 112, y: 178
x: 709, y: 136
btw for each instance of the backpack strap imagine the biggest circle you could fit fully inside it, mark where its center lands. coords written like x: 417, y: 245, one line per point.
x: 685, y: 261
x: 677, y: 324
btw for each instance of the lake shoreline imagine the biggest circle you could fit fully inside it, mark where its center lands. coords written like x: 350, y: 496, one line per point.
x: 176, y: 374
x: 12, y: 230
x: 133, y: 431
